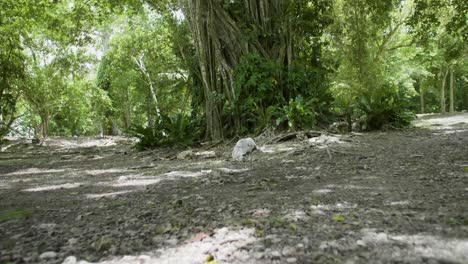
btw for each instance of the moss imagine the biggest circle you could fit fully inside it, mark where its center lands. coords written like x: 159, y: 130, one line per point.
x: 15, y: 214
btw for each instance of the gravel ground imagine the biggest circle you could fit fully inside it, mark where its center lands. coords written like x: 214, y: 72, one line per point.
x: 385, y: 197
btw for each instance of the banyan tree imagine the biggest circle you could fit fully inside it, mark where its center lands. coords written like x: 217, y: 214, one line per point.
x: 224, y: 31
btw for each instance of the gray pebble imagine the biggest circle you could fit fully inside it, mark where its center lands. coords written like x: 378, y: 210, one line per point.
x: 48, y: 255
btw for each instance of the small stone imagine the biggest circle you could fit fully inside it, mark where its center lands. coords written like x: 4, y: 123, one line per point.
x: 171, y: 242
x: 291, y: 260
x: 259, y: 255
x: 275, y: 254
x: 188, y: 154
x: 48, y: 255
x: 300, y: 245
x: 143, y: 259
x: 206, y: 154
x: 70, y: 260
x: 288, y: 251
x: 361, y: 243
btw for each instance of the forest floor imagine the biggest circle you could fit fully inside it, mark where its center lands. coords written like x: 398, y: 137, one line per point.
x: 383, y: 197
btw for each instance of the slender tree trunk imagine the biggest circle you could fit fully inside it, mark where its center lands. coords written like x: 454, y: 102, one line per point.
x: 451, y: 90
x: 45, y: 119
x: 141, y: 65
x: 442, y: 92
x: 421, y: 94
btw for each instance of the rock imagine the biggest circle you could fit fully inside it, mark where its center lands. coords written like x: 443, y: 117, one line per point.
x: 70, y: 260
x: 356, y: 127
x: 187, y: 154
x: 206, y: 154
x: 339, y: 128
x: 103, y: 244
x: 48, y: 255
x: 291, y: 260
x: 242, y: 148
x: 288, y: 251
x: 275, y: 255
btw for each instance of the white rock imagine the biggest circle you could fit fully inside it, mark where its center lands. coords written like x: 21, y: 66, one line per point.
x: 188, y: 154
x: 288, y: 251
x: 206, y: 154
x: 242, y: 148
x: 48, y: 255
x: 70, y: 260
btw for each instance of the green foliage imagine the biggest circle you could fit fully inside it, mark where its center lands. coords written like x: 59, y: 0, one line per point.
x: 179, y: 129
x: 298, y: 113
x: 385, y: 107
x: 269, y: 95
x: 15, y: 214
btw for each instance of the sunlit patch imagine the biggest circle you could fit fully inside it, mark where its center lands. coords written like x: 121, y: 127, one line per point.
x: 261, y: 213
x: 296, y: 215
x: 54, y: 187
x: 233, y: 171
x: 187, y: 174
x: 35, y: 171
x: 4, y: 185
x: 108, y: 171
x: 224, y: 245
x: 322, y: 191
x: 398, y: 203
x: 279, y: 148
x: 365, y: 178
x: 417, y: 246
x: 135, y: 181
x: 439, y: 122
x: 353, y: 187
x: 339, y: 207
x: 84, y: 142
x: 324, y: 140
x: 110, y: 195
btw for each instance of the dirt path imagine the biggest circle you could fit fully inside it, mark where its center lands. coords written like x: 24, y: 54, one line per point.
x: 393, y: 197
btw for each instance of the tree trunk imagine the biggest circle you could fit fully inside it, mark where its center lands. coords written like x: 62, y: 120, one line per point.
x: 442, y: 92
x: 45, y: 118
x: 141, y: 66
x: 220, y: 43
x: 451, y: 90
x: 421, y: 94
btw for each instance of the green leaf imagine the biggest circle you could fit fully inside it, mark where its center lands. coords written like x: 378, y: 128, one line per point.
x: 338, y: 218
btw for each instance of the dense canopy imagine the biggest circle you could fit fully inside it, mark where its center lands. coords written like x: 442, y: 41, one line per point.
x: 183, y: 71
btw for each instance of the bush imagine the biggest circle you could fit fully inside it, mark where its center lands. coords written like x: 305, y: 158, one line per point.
x: 298, y: 113
x: 386, y: 106
x: 179, y: 129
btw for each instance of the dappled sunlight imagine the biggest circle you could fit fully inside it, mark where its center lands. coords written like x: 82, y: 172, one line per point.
x: 71, y: 143
x: 108, y: 195
x: 187, y: 174
x: 398, y: 203
x: 322, y: 191
x: 323, y: 141
x: 233, y: 171
x: 353, y: 187
x: 53, y: 187
x: 106, y: 171
x: 134, y: 181
x: 442, y: 122
x: 4, y: 185
x: 279, y: 148
x: 430, y: 247
x: 35, y: 171
x: 225, y: 245
x: 339, y: 207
